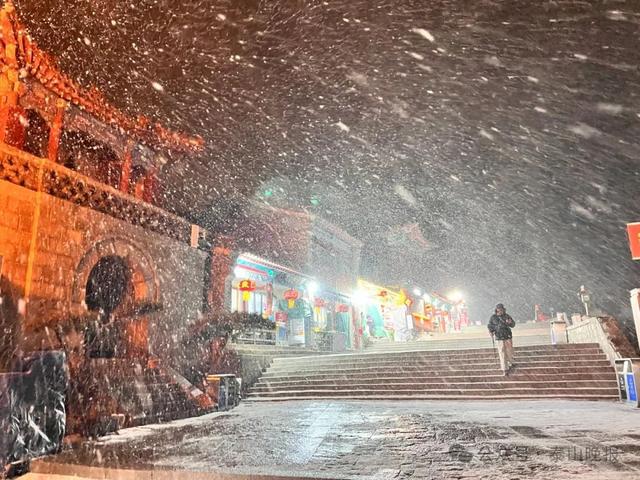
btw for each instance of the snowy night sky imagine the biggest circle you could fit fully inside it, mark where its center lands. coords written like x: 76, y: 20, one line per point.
x: 505, y: 133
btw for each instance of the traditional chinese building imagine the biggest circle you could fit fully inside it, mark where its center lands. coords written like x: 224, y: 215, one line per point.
x: 290, y: 252
x: 80, y: 232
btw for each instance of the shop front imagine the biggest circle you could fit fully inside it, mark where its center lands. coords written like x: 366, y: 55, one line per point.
x: 385, y: 313
x: 333, y: 327
x: 303, y: 312
x: 277, y: 293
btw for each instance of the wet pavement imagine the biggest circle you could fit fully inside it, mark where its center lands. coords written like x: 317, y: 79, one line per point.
x: 547, y: 439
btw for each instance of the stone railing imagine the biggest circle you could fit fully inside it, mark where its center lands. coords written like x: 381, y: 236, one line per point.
x: 604, y: 331
x: 23, y: 169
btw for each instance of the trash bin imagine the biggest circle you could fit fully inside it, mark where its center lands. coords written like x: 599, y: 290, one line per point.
x: 628, y: 374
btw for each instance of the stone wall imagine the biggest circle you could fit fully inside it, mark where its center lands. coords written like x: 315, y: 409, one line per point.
x: 69, y: 239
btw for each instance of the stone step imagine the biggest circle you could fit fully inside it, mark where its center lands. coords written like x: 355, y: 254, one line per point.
x: 431, y: 360
x: 573, y: 348
x: 542, y: 371
x: 546, y: 391
x: 432, y: 366
x: 492, y: 370
x: 435, y: 378
x: 272, y: 350
x: 442, y: 366
x: 456, y: 343
x: 419, y: 386
x: 514, y: 377
x: 529, y: 337
x: 533, y: 350
x: 439, y: 396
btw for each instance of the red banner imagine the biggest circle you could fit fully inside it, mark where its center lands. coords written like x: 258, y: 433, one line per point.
x: 633, y: 230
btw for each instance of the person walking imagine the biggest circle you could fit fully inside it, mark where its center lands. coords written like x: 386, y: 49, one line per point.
x: 500, y: 325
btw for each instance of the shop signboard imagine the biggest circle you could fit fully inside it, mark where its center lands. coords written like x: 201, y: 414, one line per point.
x: 633, y: 230
x: 247, y: 285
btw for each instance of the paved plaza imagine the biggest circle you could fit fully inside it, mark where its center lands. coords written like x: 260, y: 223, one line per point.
x: 374, y: 440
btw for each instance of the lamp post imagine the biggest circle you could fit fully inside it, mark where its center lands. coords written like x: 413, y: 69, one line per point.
x: 585, y: 298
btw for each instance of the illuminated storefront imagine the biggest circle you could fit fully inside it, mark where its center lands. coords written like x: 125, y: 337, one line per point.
x: 382, y: 312
x: 252, y: 291
x: 304, y: 313
x: 385, y: 313
x: 444, y: 315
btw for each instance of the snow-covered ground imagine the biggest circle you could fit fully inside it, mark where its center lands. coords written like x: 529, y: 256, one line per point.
x: 376, y: 440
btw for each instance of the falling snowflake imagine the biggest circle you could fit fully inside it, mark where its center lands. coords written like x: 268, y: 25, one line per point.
x: 424, y: 34
x: 343, y: 127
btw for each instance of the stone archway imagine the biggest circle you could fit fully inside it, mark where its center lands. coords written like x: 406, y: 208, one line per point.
x: 108, y: 284
x: 112, y: 277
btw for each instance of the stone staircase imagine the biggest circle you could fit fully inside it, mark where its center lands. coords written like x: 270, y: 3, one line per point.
x: 254, y: 359
x: 452, y: 343
x: 443, y: 369
x: 140, y: 392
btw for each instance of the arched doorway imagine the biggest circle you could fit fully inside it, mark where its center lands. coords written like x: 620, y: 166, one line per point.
x: 108, y: 283
x: 115, y: 278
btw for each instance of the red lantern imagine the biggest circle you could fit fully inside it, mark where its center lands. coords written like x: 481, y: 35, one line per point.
x: 246, y: 287
x: 319, y: 302
x: 291, y: 296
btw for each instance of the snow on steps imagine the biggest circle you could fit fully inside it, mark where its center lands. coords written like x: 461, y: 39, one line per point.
x: 455, y: 342
x: 543, y: 371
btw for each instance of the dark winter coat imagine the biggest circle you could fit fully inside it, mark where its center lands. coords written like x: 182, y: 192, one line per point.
x: 500, y: 326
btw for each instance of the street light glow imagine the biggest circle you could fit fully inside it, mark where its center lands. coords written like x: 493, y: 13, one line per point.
x: 312, y: 287
x: 359, y: 297
x: 455, y: 296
